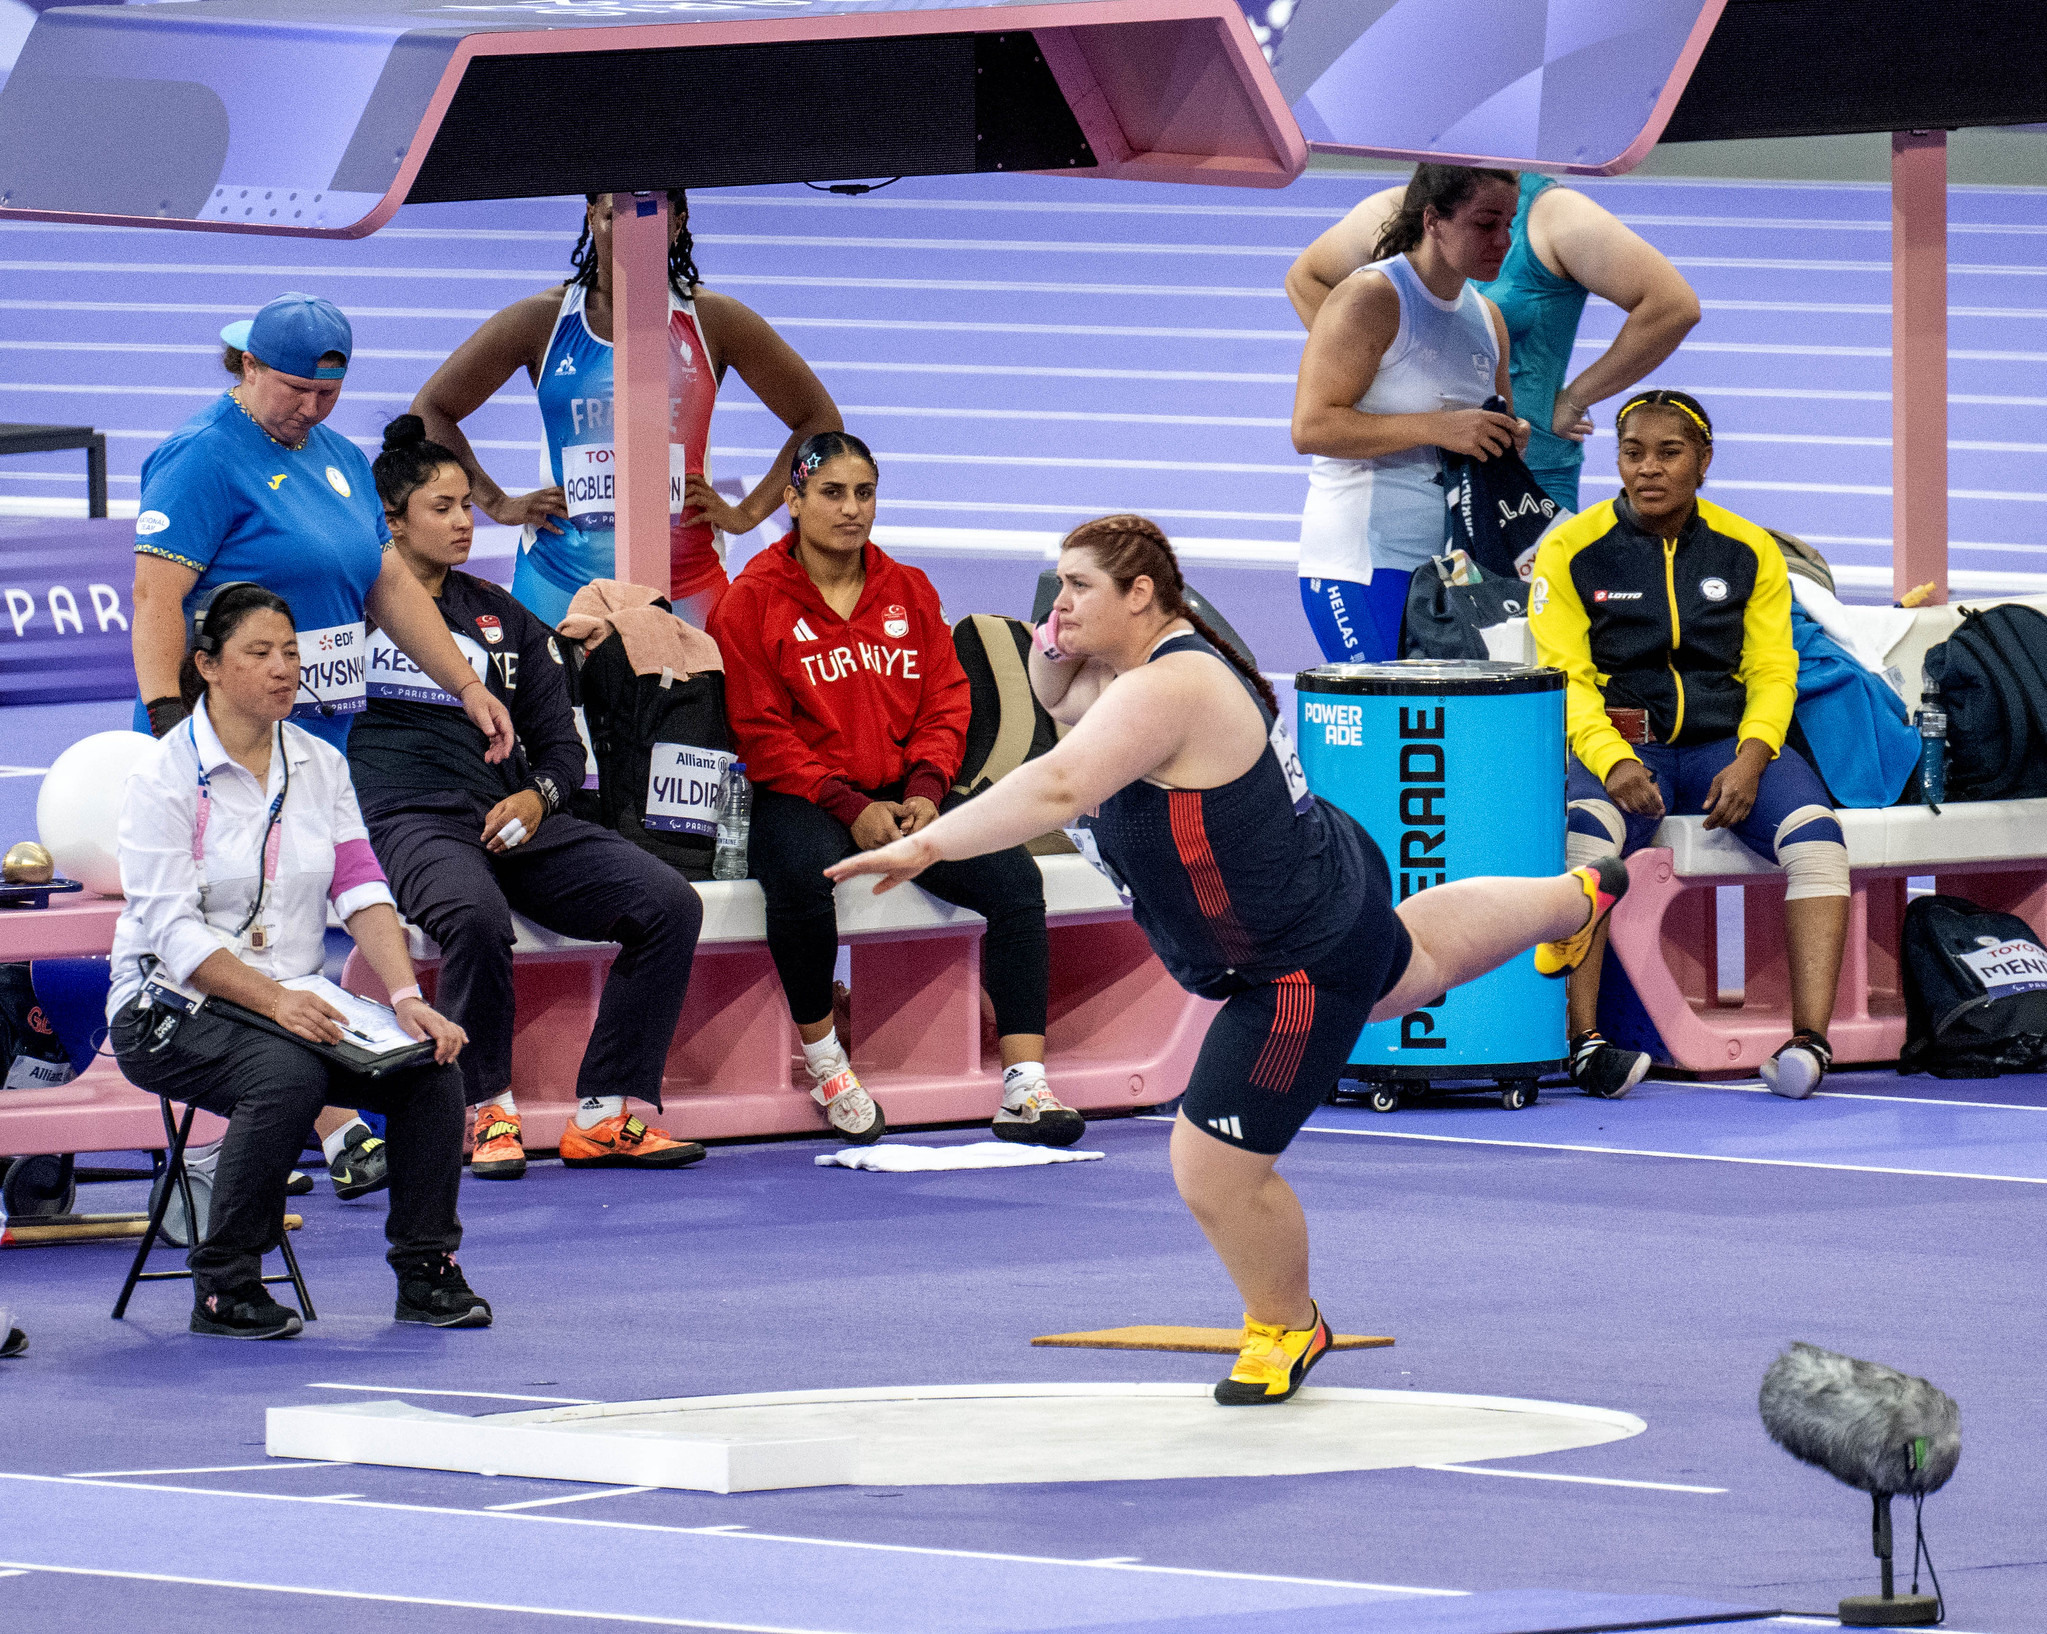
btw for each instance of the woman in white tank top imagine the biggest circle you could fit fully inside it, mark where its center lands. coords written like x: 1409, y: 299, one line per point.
x: 1400, y: 358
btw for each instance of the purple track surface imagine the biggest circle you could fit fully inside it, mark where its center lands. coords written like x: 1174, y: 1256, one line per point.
x: 1658, y: 1285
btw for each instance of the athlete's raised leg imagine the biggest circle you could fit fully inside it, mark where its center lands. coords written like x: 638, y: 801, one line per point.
x: 1463, y: 929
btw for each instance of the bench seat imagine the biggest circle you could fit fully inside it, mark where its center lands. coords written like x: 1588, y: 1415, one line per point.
x: 1666, y: 934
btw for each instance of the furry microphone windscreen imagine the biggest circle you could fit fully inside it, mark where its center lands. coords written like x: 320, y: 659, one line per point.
x: 1869, y: 1425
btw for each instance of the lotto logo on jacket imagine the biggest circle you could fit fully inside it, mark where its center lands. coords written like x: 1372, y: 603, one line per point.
x: 814, y: 696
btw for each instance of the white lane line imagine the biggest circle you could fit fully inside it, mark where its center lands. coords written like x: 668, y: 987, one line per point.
x: 1909, y: 1100
x: 1692, y: 1157
x: 741, y: 1535
x: 483, y: 1395
x: 15, y: 1571
x: 1581, y: 1480
x: 963, y: 326
x: 210, y: 1469
x: 421, y: 1600
x: 572, y: 1498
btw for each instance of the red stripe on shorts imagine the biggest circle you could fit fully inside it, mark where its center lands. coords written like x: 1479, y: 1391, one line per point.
x: 1293, y: 1018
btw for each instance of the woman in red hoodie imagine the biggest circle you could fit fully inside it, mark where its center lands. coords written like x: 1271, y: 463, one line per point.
x: 850, y: 709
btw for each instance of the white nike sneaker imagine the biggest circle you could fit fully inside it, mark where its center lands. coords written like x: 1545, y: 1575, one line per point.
x: 1038, y: 1118
x: 849, y: 1108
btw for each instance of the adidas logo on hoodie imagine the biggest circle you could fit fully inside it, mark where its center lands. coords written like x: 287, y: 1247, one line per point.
x: 802, y: 631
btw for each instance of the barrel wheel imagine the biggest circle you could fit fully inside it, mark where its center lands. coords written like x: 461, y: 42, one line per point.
x: 1515, y: 1093
x: 1383, y: 1097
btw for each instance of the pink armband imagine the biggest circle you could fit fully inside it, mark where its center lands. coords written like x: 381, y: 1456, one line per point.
x: 354, y: 864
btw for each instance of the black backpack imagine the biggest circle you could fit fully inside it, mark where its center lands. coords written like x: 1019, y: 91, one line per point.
x: 1975, y: 991
x: 1992, y: 675
x: 629, y: 717
x: 31, y: 1055
x: 1444, y: 620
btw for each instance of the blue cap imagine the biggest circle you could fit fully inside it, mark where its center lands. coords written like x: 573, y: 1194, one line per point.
x: 293, y: 333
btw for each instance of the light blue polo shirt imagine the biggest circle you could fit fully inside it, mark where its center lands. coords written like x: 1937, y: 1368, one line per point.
x: 227, y: 500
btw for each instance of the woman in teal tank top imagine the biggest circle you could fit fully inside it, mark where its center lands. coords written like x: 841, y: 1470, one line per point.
x: 1542, y: 312
x: 1564, y: 248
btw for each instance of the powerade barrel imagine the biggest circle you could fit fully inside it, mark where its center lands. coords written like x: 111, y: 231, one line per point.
x: 1456, y: 769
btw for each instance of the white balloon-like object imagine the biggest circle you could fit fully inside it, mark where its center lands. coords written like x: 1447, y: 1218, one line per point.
x: 78, y: 811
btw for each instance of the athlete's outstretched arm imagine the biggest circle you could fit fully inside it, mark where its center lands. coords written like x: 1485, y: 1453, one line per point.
x: 1339, y: 252
x: 1134, y: 728
x: 740, y: 338
x: 507, y: 342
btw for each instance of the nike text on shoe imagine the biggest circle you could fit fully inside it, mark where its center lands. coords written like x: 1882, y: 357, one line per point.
x: 1273, y: 1362
x: 364, y: 1166
x: 1604, y: 1069
x: 494, y: 1135
x: 246, y: 1312
x: 1605, y: 882
x: 625, y: 1142
x: 1040, y: 1120
x: 850, y: 1109
x: 431, y: 1289
x: 1798, y: 1066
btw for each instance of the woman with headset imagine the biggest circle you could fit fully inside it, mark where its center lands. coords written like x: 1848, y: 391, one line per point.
x: 237, y: 832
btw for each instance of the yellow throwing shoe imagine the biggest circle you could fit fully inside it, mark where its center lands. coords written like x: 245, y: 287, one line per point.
x: 1605, y: 882
x: 1273, y: 1362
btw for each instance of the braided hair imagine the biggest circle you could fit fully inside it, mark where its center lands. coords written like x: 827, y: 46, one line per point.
x: 1442, y: 188
x: 821, y: 448
x: 1128, y: 548
x: 683, y: 277
x: 408, y: 462
x: 1690, y: 411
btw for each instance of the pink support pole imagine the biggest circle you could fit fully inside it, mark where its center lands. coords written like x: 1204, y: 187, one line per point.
x: 1919, y: 519
x: 639, y: 373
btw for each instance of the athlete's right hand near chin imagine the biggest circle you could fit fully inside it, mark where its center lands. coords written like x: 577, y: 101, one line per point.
x: 538, y: 509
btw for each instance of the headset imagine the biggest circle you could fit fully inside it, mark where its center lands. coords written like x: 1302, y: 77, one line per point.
x: 210, y: 645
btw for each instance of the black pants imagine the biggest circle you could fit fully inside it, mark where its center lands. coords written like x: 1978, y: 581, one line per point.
x: 571, y: 876
x: 792, y: 842
x: 270, y: 1089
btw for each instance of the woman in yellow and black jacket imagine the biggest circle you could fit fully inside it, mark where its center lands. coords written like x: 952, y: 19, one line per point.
x: 1671, y: 619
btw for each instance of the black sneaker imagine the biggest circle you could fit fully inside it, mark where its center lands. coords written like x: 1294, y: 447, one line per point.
x: 13, y: 1342
x: 298, y: 1184
x: 433, y: 1291
x: 1796, y: 1069
x: 364, y: 1165
x: 1604, y: 1069
x: 247, y: 1312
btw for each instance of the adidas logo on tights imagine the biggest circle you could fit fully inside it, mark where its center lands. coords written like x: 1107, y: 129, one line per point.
x: 1227, y: 1126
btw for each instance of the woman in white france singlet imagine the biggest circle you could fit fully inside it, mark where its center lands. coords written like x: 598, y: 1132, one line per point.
x: 561, y: 338
x: 1399, y: 360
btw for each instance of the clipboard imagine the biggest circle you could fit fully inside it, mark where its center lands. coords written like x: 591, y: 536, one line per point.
x: 361, y: 1058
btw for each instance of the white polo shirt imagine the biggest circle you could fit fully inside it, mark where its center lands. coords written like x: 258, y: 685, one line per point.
x: 182, y: 911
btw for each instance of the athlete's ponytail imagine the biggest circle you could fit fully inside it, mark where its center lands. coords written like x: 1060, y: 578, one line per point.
x: 1128, y: 548
x: 1442, y: 188
x: 408, y: 462
x: 682, y: 262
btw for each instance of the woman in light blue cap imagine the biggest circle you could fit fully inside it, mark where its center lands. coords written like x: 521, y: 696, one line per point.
x: 254, y: 487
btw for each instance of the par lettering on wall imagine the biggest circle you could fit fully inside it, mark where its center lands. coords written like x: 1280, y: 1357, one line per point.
x: 65, y: 592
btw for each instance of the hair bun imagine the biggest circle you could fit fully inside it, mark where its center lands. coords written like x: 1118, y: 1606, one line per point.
x: 404, y: 432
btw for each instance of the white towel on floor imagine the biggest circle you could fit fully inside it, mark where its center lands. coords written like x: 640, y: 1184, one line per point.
x: 980, y: 1154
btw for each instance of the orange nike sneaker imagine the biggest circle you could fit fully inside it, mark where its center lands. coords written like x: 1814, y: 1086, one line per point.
x: 498, y: 1153
x: 625, y: 1142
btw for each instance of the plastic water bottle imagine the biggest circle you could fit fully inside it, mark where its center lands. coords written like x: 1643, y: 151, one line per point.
x: 1932, y: 747
x: 735, y: 814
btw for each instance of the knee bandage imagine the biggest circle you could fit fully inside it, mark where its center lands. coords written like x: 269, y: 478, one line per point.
x: 1813, y: 854
x: 1593, y: 829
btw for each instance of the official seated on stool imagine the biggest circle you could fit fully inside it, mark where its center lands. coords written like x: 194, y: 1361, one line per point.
x: 1672, y: 619
x: 237, y: 829
x: 467, y: 842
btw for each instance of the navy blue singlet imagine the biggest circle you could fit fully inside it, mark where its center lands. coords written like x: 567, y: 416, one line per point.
x: 1239, y: 885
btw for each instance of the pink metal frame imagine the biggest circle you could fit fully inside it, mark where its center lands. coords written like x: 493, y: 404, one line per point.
x: 1666, y: 936
x: 1629, y: 157
x: 639, y: 385
x: 1919, y: 338
x: 1217, y: 116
